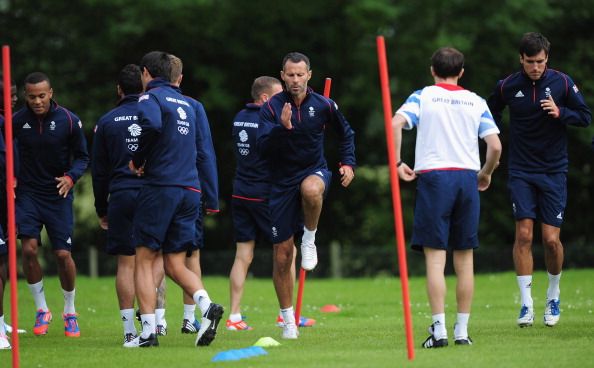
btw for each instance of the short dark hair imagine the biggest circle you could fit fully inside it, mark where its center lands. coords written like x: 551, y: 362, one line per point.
x: 158, y: 64
x: 532, y: 43
x: 129, y: 80
x: 263, y: 84
x: 37, y: 77
x: 295, y: 57
x: 447, y: 62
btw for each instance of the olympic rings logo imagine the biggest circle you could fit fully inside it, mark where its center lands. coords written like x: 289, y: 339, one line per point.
x: 183, y: 130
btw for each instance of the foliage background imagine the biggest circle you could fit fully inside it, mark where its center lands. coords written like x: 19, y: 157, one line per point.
x: 225, y: 44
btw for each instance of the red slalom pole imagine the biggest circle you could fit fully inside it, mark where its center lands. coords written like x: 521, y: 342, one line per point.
x: 302, y: 272
x: 11, y: 233
x: 400, y: 244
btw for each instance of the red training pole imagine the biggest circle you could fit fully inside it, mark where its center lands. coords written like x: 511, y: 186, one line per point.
x: 400, y: 244
x: 302, y: 272
x: 11, y: 233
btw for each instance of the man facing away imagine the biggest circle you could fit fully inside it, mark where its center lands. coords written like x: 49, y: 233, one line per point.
x: 116, y: 138
x: 450, y: 120
x: 206, y: 164
x: 53, y: 155
x: 168, y: 203
x: 291, y: 136
x: 542, y: 103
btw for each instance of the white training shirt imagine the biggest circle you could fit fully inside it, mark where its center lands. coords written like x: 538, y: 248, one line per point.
x: 449, y: 120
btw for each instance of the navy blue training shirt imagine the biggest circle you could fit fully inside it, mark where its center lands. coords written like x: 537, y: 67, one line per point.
x: 49, y: 147
x: 298, y: 152
x: 116, y: 139
x: 252, y: 172
x: 537, y: 141
x: 167, y: 144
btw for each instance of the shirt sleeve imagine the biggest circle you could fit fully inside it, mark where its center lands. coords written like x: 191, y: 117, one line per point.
x: 206, y: 160
x: 346, y: 135
x: 271, y: 134
x: 78, y: 147
x: 496, y: 103
x: 574, y: 111
x: 411, y: 110
x: 150, y: 122
x: 100, y: 171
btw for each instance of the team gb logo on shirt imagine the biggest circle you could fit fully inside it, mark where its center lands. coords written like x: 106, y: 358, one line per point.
x: 182, y: 113
x: 134, y: 130
x: 312, y: 112
x: 243, y: 136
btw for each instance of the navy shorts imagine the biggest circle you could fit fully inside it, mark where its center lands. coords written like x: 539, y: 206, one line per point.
x: 538, y: 196
x: 33, y: 211
x: 165, y: 218
x: 286, y: 214
x: 120, y: 214
x: 251, y: 219
x: 447, y: 210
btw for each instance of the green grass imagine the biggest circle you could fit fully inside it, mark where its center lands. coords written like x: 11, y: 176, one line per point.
x: 368, y: 332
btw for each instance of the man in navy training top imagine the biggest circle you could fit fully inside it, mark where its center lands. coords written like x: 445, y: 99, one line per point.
x: 168, y: 203
x: 251, y: 186
x: 53, y: 155
x: 291, y: 136
x: 542, y: 103
x: 206, y: 163
x: 116, y: 188
x: 4, y: 343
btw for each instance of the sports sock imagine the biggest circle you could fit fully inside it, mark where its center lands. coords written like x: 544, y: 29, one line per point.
x: 38, y: 295
x: 69, y: 301
x: 553, y: 290
x: 189, y: 310
x: 525, y: 285
x: 288, y: 315
x: 2, y: 327
x: 127, y: 316
x: 439, y: 329
x: 309, y: 236
x: 461, y: 327
x: 148, y: 325
x: 202, y: 301
x: 235, y: 317
x: 160, y: 317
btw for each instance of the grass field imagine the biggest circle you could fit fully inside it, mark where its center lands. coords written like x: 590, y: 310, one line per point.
x: 368, y: 332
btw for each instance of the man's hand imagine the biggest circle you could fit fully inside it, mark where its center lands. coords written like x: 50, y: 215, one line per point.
x: 103, y: 222
x: 286, y: 116
x: 406, y: 173
x: 550, y: 107
x: 138, y: 172
x: 65, y: 183
x: 347, y: 175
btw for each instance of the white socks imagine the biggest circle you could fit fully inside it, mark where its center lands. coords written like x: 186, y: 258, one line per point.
x: 160, y: 317
x: 69, y: 301
x: 288, y: 315
x: 439, y: 327
x: 202, y: 300
x: 38, y: 295
x: 525, y: 285
x: 189, y: 310
x: 461, y: 327
x: 148, y: 325
x: 235, y: 317
x: 309, y: 236
x: 553, y: 290
x: 127, y: 316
